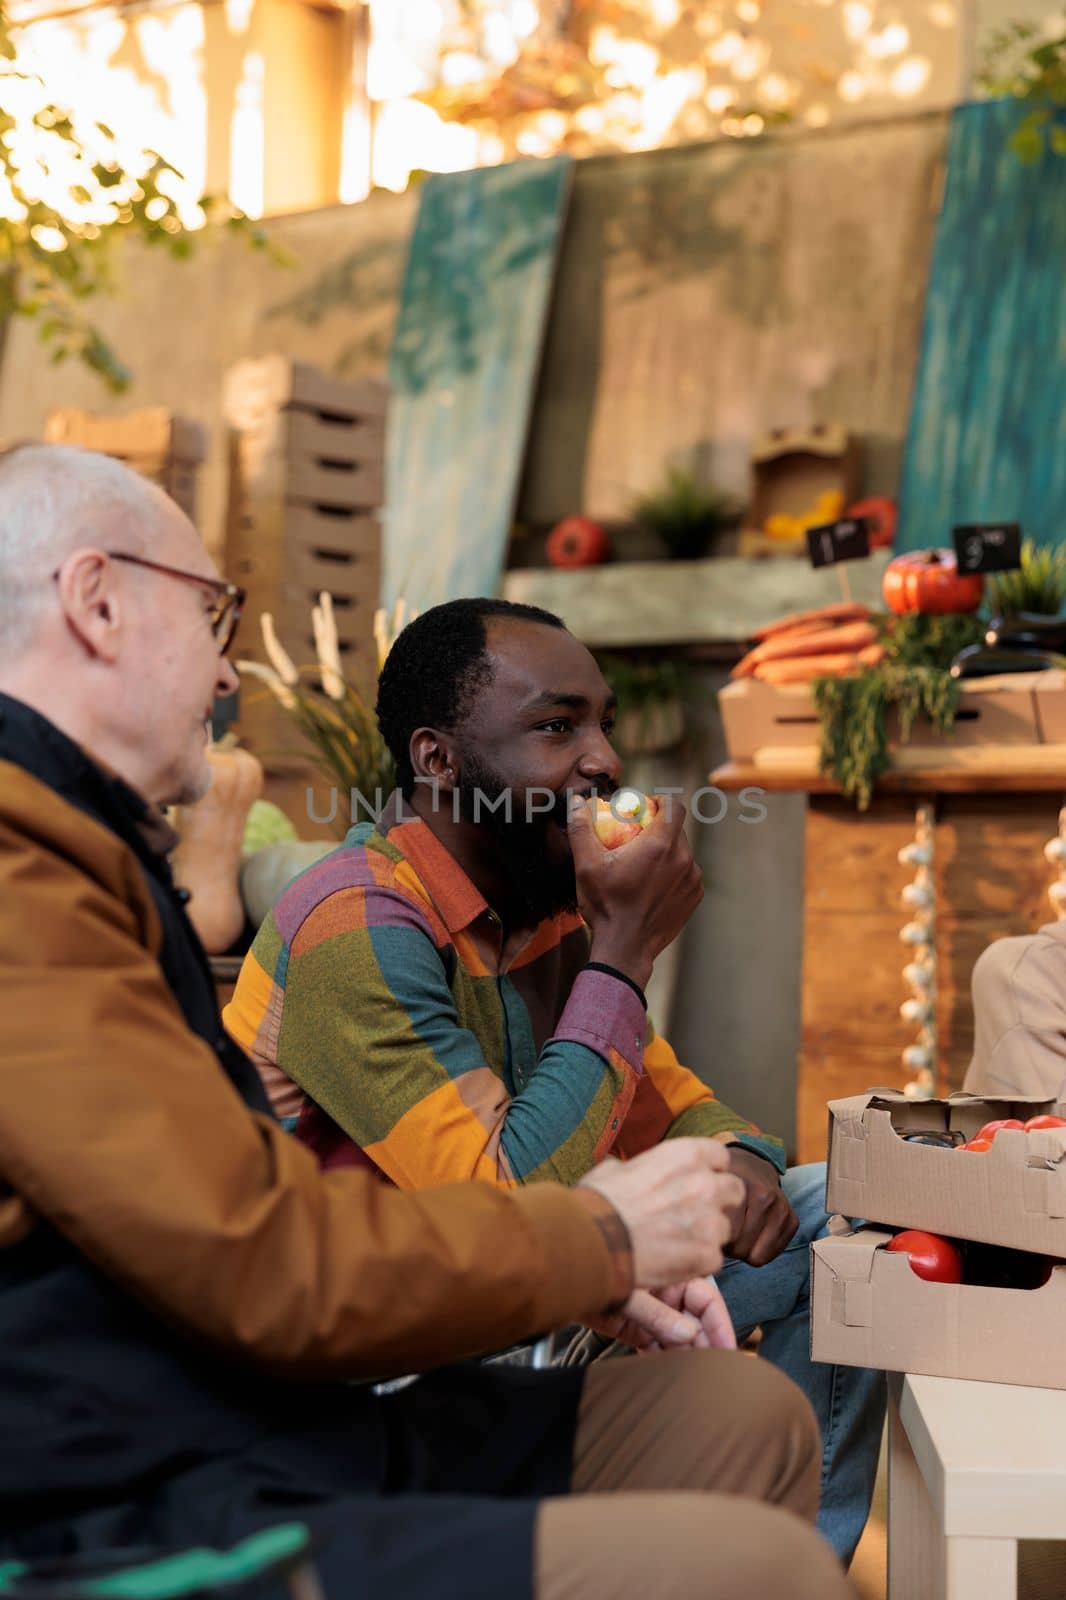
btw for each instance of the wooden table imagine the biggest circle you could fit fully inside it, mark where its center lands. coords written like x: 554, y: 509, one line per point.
x: 990, y: 879
x: 972, y: 1468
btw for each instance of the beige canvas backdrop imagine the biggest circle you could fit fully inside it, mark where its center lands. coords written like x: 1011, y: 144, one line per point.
x: 704, y: 294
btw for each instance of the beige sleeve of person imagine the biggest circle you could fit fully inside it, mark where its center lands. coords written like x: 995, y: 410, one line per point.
x: 1019, y: 1003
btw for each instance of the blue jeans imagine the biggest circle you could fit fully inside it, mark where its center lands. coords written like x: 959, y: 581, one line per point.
x: 849, y: 1402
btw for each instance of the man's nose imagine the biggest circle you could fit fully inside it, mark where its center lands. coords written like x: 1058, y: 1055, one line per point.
x: 228, y: 680
x: 599, y: 759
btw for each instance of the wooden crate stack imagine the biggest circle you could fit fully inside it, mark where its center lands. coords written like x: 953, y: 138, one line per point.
x: 307, y: 477
x: 159, y: 445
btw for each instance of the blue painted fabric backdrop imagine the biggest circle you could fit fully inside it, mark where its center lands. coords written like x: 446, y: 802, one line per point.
x: 464, y: 363
x: 987, y: 437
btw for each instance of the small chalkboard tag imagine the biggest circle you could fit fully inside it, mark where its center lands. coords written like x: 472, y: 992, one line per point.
x: 847, y: 540
x: 988, y: 546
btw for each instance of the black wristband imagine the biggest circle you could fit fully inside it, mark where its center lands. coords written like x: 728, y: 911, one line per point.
x: 613, y: 972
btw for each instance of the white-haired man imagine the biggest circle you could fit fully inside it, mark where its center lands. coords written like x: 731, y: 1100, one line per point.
x: 182, y: 1292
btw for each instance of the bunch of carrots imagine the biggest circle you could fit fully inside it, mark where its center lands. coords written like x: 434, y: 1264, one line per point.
x: 834, y: 641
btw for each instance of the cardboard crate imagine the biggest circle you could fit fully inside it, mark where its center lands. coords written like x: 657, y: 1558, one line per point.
x: 1016, y: 709
x: 869, y: 1309
x: 307, y: 479
x: 317, y: 436
x: 153, y: 434
x: 160, y: 446
x: 1013, y: 1194
x: 255, y: 391
x: 305, y: 460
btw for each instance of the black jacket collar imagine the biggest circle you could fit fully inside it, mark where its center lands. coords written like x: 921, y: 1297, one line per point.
x: 31, y: 741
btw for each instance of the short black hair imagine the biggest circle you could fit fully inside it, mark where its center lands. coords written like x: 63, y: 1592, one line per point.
x: 434, y: 669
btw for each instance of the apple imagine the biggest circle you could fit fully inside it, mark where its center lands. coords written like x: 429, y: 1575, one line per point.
x: 622, y: 817
x: 932, y: 1257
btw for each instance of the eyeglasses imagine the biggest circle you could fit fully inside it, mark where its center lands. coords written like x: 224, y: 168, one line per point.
x: 229, y: 602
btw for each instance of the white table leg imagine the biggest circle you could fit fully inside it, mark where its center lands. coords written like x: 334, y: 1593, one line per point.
x: 982, y: 1569
x: 916, y: 1548
x: 922, y: 1563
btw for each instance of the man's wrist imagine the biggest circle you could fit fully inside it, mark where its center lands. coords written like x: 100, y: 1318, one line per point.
x: 616, y: 1237
x: 627, y: 963
x: 737, y: 1148
x: 623, y: 977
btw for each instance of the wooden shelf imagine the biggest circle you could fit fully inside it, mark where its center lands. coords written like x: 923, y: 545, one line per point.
x: 735, y: 775
x: 626, y: 604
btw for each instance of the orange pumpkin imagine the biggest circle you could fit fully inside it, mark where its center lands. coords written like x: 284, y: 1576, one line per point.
x: 929, y: 581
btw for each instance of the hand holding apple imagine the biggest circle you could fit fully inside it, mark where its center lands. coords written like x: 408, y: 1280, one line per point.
x: 635, y: 900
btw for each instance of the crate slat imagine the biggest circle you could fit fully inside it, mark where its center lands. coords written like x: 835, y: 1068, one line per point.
x: 255, y: 390
x: 153, y: 434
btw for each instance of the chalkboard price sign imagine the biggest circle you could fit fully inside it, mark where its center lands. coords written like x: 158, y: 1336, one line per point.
x: 988, y: 546
x: 830, y: 542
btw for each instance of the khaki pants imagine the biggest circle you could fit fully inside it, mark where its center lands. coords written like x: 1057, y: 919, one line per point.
x: 695, y: 1478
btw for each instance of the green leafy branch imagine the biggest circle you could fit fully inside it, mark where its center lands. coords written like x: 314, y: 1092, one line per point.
x: 912, y: 681
x: 67, y: 192
x: 1021, y: 61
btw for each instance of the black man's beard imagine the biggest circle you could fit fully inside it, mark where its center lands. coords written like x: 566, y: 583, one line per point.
x: 542, y: 883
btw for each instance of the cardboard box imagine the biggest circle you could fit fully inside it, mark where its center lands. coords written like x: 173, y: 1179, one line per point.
x: 1017, y: 709
x: 869, y: 1309
x: 1013, y: 1194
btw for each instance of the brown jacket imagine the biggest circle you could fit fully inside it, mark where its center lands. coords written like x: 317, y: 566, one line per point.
x: 119, y: 1130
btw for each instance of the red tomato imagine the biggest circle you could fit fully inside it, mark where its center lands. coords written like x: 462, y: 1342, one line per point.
x: 931, y: 1256
x: 881, y: 513
x: 978, y: 1144
x: 990, y: 1129
x: 928, y: 580
x: 577, y: 542
x: 1045, y: 1121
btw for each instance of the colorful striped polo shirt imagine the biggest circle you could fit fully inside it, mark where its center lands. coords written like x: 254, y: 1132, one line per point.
x: 380, y: 1002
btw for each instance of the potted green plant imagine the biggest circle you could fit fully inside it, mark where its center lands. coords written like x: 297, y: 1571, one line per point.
x: 650, y: 716
x: 686, y: 513
x: 1037, y: 587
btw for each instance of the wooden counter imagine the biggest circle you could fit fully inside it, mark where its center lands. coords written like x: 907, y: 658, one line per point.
x: 991, y: 879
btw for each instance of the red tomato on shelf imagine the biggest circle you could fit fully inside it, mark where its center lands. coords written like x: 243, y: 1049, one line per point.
x: 1045, y: 1121
x: 931, y: 1256
x: 978, y: 1144
x: 881, y: 513
x: 577, y: 542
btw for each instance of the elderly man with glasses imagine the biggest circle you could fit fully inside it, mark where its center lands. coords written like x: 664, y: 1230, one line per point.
x: 192, y: 1315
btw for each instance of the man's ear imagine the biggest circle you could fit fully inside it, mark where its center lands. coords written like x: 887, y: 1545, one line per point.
x: 89, y: 599
x: 434, y: 756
